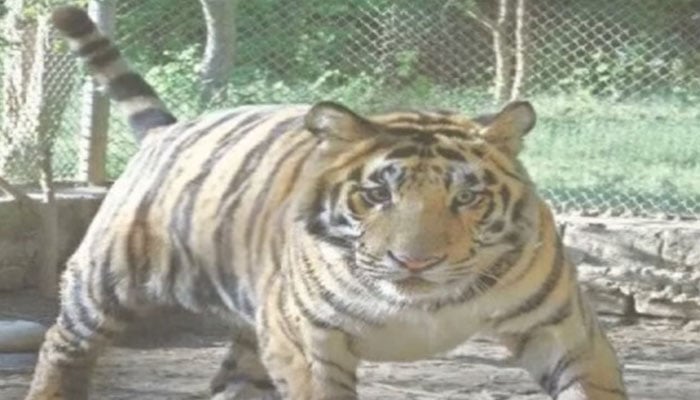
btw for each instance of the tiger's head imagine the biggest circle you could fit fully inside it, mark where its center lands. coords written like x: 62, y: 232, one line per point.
x: 419, y: 200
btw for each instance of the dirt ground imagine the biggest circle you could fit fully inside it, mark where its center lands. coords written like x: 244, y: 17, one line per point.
x: 174, y: 357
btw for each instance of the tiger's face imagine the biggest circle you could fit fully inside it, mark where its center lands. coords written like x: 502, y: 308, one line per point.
x: 419, y: 201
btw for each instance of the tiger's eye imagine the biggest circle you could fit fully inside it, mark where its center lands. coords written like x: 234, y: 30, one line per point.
x: 377, y: 195
x: 465, y: 198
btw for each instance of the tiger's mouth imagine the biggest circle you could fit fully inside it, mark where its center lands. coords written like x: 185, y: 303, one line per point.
x: 414, y: 283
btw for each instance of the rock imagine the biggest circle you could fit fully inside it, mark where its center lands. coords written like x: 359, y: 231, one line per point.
x: 651, y: 266
x: 681, y: 246
x: 20, y: 336
x: 692, y: 326
x: 11, y: 278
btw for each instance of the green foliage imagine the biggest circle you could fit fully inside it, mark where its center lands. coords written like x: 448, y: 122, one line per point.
x: 595, y: 144
x: 38, y: 7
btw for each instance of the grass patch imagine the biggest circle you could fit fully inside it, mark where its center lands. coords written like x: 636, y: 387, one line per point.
x: 637, y: 157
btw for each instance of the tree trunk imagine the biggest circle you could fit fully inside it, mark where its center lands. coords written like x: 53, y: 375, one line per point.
x: 498, y: 27
x: 219, y: 16
x: 520, y: 51
x: 501, y: 47
x: 94, y: 123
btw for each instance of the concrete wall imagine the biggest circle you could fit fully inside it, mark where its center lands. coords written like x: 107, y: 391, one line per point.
x: 21, y: 239
x: 629, y: 266
x: 638, y: 266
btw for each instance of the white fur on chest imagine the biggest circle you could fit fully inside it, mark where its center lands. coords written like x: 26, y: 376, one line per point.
x: 416, y: 335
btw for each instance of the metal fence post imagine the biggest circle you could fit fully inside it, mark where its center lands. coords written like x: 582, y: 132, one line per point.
x: 94, y: 122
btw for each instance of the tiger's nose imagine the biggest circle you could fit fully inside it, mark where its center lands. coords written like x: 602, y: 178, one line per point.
x: 415, y: 263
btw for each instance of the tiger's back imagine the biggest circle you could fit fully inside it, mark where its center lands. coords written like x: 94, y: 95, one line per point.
x: 327, y: 238
x: 189, y: 209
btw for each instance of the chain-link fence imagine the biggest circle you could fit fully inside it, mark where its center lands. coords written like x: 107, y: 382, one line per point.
x: 616, y: 83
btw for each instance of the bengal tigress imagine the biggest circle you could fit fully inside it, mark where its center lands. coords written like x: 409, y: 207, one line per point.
x: 327, y: 238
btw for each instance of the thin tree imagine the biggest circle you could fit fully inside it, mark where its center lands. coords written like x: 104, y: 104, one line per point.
x: 217, y: 63
x: 94, y: 121
x: 508, y: 34
x: 520, y: 50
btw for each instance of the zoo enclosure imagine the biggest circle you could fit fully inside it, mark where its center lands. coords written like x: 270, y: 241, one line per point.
x: 616, y: 83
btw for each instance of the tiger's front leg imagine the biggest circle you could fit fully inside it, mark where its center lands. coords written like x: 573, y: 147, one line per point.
x: 569, y: 355
x: 242, y: 375
x: 305, y: 359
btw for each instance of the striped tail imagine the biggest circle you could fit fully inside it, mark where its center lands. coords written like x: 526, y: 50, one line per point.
x: 144, y: 109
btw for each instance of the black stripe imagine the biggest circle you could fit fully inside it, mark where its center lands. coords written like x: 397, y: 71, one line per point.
x: 517, y: 211
x: 93, y: 46
x: 450, y: 154
x: 355, y: 157
x: 149, y: 118
x: 337, y: 302
x: 550, y: 381
x: 330, y: 364
x: 109, y: 301
x: 283, y: 318
x: 254, y: 217
x: 454, y: 134
x: 538, y: 297
x: 316, y: 226
x: 521, y: 345
x: 201, y: 288
x: 426, y: 139
x: 356, y: 174
x: 505, y: 171
x: 496, y: 226
x: 105, y: 58
x: 71, y: 351
x: 478, y: 152
x: 84, y: 316
x: 585, y: 311
x: 491, y: 206
x: 156, y: 186
x: 253, y: 158
x: 489, y: 177
x: 136, y: 237
x: 369, y: 284
x: 564, y: 387
x: 128, y: 85
x: 402, y: 152
x: 69, y: 338
x: 505, y: 196
x: 143, y: 160
x: 335, y: 192
x: 328, y: 379
x: 309, y: 315
x: 182, y: 216
x: 73, y: 22
x: 483, y: 283
x: 236, y: 190
x: 560, y: 314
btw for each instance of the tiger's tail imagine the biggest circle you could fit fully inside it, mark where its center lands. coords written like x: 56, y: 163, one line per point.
x: 144, y: 109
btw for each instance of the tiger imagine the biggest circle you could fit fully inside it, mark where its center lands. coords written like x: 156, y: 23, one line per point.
x: 325, y: 238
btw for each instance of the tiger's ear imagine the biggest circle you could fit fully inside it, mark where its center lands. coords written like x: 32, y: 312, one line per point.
x: 507, y: 128
x: 333, y: 122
